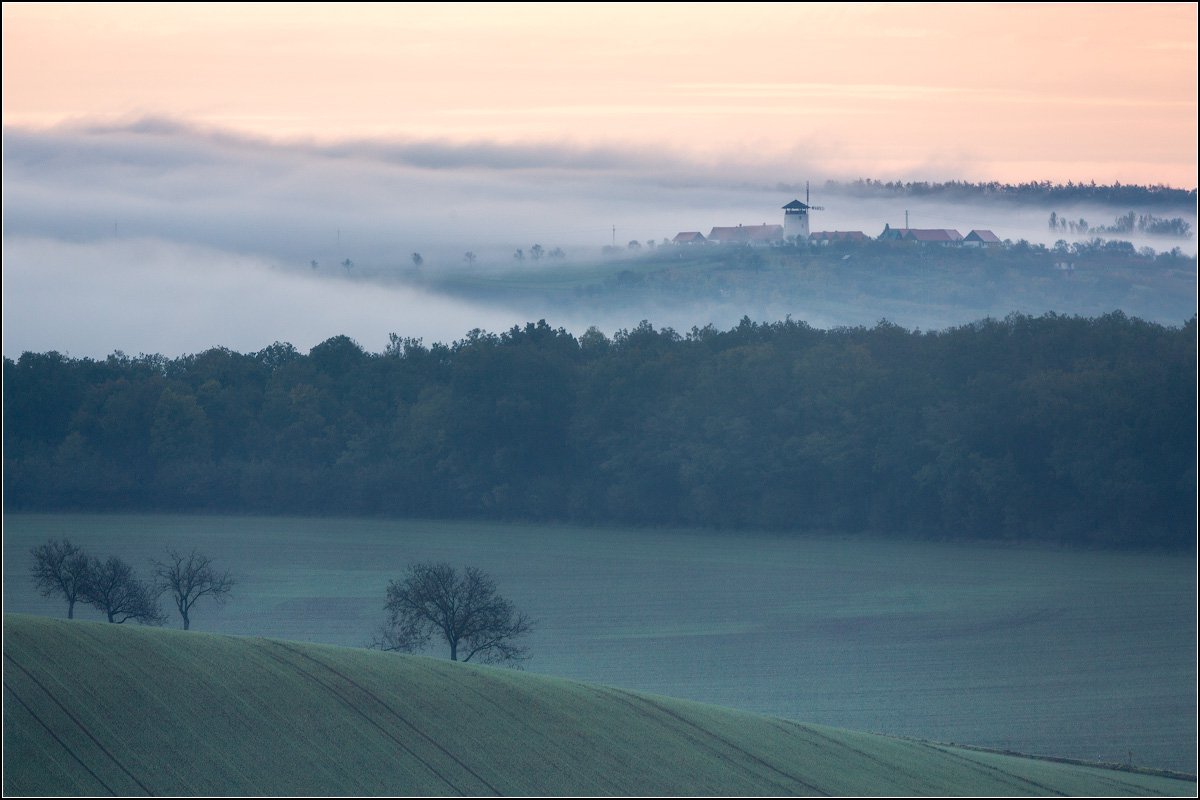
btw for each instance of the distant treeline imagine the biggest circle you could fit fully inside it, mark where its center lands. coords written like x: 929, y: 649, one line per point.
x: 1057, y: 428
x: 1116, y: 194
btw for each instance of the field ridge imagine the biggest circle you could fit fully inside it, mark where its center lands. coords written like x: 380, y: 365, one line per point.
x: 93, y: 708
x: 1113, y: 765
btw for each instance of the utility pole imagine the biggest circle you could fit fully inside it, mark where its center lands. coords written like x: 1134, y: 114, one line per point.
x: 614, y: 235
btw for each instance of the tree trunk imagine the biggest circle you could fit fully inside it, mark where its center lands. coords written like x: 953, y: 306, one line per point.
x: 70, y: 609
x: 454, y: 651
x: 110, y: 617
x: 186, y: 622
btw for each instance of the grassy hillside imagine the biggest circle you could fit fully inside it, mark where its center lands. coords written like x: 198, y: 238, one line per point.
x: 91, y: 708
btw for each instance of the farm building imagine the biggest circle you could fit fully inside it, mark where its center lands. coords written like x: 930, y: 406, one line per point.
x: 793, y: 229
x: 942, y: 236
x: 747, y: 234
x: 978, y: 238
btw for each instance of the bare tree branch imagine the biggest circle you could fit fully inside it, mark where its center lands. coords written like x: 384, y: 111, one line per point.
x: 113, y: 588
x: 464, y: 609
x: 60, y: 568
x: 188, y: 578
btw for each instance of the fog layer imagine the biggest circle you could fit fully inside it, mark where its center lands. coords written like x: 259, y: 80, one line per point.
x: 160, y: 237
x: 154, y: 296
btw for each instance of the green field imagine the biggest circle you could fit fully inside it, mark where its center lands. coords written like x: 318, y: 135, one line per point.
x: 1088, y: 655
x: 92, y: 708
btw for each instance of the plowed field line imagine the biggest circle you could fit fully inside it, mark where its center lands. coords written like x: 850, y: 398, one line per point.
x: 82, y: 727
x: 861, y: 753
x: 1133, y: 788
x: 548, y: 744
x: 1013, y: 778
x: 65, y: 746
x: 346, y: 701
x: 627, y: 698
x: 395, y: 714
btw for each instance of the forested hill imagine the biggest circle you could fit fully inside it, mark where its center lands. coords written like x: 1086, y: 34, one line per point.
x: 1155, y: 196
x: 1058, y: 428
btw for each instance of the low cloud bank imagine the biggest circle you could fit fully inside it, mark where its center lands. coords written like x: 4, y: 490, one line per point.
x: 157, y: 235
x: 90, y: 299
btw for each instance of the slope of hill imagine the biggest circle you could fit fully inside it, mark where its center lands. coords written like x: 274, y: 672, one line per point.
x: 92, y: 708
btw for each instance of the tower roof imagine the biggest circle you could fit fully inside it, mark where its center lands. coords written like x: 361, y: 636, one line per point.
x: 797, y: 205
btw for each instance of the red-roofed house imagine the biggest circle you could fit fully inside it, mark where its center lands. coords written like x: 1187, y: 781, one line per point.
x: 943, y: 236
x: 747, y: 234
x: 979, y: 238
x: 689, y: 237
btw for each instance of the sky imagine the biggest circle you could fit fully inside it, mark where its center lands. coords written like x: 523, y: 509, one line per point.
x: 260, y: 137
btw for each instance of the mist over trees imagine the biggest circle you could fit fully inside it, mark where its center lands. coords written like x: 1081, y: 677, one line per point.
x: 1117, y: 194
x: 1068, y: 429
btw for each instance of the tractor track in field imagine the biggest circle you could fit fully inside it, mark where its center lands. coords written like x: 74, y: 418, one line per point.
x: 486, y: 698
x: 345, y: 701
x: 378, y: 700
x: 627, y: 699
x: 56, y: 738
x: 1131, y: 787
x: 81, y: 726
x: 792, y: 727
x: 988, y: 769
x: 1115, y: 768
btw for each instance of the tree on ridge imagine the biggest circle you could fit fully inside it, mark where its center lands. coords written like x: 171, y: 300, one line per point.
x: 113, y: 588
x: 462, y: 608
x: 60, y: 568
x: 188, y: 578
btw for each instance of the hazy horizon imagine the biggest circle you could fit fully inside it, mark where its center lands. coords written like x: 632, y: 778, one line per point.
x: 979, y: 91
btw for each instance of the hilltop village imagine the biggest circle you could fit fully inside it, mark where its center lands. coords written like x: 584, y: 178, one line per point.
x: 795, y: 230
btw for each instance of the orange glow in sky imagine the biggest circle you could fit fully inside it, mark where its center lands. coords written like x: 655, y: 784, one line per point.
x: 969, y: 91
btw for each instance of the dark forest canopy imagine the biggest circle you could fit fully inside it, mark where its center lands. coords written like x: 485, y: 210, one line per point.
x: 1118, y: 194
x: 1066, y: 429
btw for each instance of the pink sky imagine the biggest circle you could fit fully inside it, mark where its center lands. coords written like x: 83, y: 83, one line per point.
x: 992, y: 91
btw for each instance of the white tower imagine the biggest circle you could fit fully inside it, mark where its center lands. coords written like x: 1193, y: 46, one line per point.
x: 795, y: 218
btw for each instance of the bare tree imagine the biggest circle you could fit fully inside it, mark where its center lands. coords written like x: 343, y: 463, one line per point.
x: 60, y: 568
x: 464, y: 609
x: 113, y: 588
x: 188, y: 578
